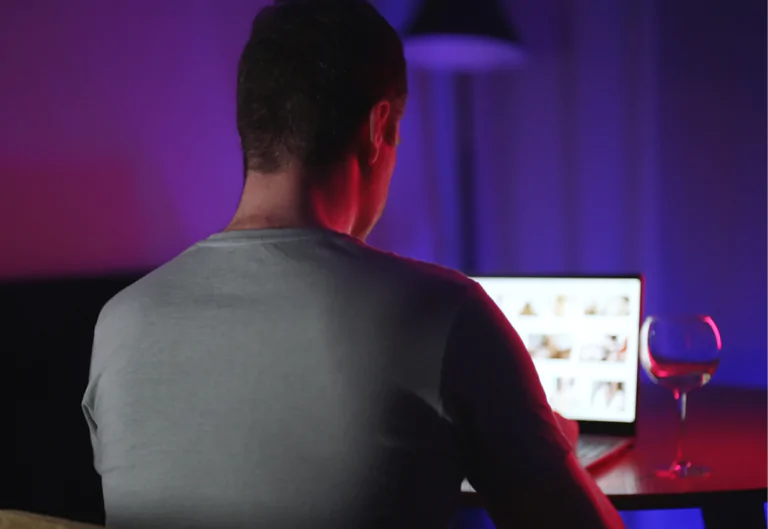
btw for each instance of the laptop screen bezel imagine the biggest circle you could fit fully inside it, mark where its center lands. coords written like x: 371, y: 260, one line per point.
x: 593, y: 427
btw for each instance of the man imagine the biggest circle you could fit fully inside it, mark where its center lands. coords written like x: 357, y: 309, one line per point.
x: 283, y: 374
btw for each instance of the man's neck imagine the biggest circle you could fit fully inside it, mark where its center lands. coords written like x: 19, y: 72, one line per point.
x: 261, y: 222
x: 277, y: 201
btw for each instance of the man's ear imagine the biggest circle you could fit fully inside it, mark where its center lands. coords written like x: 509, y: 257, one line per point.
x: 378, y: 122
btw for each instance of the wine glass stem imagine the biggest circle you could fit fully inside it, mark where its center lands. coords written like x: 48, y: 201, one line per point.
x: 682, y: 400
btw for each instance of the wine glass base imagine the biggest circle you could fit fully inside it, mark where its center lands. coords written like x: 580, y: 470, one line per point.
x: 682, y: 470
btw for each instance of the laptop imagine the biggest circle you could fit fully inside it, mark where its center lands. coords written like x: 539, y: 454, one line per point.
x: 582, y: 334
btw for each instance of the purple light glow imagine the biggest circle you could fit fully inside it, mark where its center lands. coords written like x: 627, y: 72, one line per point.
x: 120, y: 149
x: 463, y: 53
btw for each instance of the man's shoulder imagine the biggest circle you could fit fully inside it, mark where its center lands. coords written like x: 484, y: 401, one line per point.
x: 140, y: 297
x: 123, y: 308
x: 414, y: 271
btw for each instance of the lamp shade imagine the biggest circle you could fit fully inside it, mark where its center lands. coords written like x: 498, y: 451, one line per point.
x: 462, y: 35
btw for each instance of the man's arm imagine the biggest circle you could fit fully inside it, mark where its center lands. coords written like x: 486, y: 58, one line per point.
x: 518, y: 458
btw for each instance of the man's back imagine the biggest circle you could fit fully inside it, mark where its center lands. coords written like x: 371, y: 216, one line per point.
x: 291, y: 378
x: 286, y: 378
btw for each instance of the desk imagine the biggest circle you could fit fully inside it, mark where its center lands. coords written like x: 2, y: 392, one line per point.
x: 726, y: 432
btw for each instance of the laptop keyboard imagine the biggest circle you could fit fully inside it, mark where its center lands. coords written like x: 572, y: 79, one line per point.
x: 592, y: 448
x: 589, y: 450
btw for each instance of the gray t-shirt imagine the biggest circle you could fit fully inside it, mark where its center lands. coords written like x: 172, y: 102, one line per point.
x: 299, y: 378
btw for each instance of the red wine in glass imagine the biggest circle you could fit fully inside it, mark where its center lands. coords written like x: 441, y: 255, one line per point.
x: 681, y: 354
x: 683, y: 376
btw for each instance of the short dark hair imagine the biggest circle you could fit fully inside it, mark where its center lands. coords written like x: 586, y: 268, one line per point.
x: 308, y: 77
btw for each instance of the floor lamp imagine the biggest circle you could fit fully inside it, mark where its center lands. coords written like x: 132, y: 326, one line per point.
x: 463, y: 37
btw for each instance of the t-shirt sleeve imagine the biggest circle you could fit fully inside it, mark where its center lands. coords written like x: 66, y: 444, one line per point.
x: 87, y: 407
x: 100, y: 351
x: 492, y: 394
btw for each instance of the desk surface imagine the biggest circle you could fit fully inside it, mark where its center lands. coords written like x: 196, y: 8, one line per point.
x: 726, y: 432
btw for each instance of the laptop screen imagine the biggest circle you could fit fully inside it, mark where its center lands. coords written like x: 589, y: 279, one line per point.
x: 582, y: 334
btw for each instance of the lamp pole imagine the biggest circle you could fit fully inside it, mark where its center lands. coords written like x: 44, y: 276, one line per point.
x: 463, y: 36
x: 467, y: 203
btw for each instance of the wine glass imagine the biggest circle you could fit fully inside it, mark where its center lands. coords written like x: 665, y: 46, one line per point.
x: 680, y: 353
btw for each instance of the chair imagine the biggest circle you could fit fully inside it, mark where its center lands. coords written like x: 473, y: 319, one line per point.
x: 26, y: 520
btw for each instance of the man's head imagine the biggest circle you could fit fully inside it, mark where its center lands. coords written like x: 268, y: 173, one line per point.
x: 321, y: 89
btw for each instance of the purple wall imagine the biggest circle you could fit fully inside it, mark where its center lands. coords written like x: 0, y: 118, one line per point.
x: 117, y: 145
x: 712, y: 151
x: 632, y: 139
